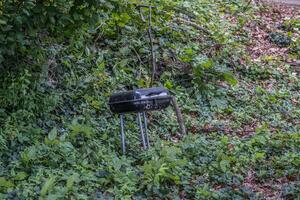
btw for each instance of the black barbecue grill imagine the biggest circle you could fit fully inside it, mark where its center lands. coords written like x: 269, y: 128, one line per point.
x: 139, y: 101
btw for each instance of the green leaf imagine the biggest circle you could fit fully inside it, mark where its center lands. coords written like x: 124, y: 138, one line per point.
x: 168, y: 85
x: 71, y: 180
x: 225, y: 140
x: 224, y: 164
x: 52, y: 134
x: 21, y: 176
x: 207, y: 64
x: 2, y: 22
x: 48, y: 186
x: 259, y: 155
x: 189, y: 51
x: 230, y: 78
x: 6, y: 183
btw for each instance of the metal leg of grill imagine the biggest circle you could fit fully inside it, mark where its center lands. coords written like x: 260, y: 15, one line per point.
x: 122, y: 134
x: 142, y: 131
x: 146, y: 131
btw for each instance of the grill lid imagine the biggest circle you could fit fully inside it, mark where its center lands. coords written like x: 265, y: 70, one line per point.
x: 140, y: 100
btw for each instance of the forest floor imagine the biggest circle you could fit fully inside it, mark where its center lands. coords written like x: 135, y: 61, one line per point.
x: 253, y: 89
x: 243, y: 138
x: 275, y: 58
x: 288, y: 2
x: 271, y: 19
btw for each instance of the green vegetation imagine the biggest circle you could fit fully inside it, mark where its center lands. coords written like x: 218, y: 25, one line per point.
x: 61, y: 59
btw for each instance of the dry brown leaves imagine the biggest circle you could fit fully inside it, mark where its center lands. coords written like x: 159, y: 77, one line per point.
x: 268, y: 18
x: 271, y: 190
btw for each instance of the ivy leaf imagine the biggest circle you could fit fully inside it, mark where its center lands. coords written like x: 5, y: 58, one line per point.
x: 71, y: 180
x: 21, y: 176
x: 224, y: 164
x: 48, y: 185
x: 168, y: 85
x: 2, y: 22
x: 207, y: 64
x: 259, y: 155
x: 52, y: 134
x: 5, y: 183
x: 230, y: 78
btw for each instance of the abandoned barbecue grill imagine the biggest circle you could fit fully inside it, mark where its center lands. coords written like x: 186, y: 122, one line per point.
x: 139, y: 101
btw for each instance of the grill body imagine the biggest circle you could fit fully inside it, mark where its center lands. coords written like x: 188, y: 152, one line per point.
x: 139, y: 101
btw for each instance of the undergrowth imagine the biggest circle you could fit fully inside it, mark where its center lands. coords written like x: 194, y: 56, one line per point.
x: 58, y: 139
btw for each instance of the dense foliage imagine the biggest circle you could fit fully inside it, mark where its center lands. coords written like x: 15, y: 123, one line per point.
x: 60, y: 60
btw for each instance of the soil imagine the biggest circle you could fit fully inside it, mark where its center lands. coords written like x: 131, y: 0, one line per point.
x: 288, y: 2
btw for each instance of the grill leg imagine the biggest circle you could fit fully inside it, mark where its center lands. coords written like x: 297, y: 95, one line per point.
x: 122, y: 134
x: 142, y: 131
x: 146, y: 132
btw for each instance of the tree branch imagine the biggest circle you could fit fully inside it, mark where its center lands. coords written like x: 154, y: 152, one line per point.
x: 179, y: 116
x: 153, y: 59
x: 193, y: 24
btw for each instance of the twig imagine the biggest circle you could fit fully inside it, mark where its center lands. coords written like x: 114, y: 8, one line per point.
x: 179, y: 116
x: 140, y: 61
x: 99, y: 35
x: 193, y: 24
x: 138, y: 56
x: 244, y: 9
x: 247, y: 6
x: 141, y: 14
x: 295, y: 63
x: 145, y: 6
x: 153, y: 59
